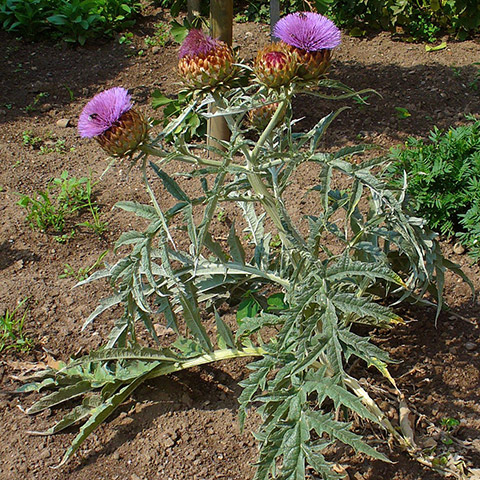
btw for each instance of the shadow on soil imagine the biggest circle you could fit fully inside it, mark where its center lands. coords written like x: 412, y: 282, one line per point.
x: 406, y: 101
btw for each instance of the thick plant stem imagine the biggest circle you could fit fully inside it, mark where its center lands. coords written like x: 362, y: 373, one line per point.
x: 270, y: 203
x: 266, y: 198
x: 217, y: 355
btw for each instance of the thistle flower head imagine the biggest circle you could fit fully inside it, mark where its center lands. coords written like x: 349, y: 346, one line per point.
x: 103, y: 111
x: 197, y: 44
x: 275, y: 65
x: 204, y: 61
x: 110, y: 119
x: 308, y: 31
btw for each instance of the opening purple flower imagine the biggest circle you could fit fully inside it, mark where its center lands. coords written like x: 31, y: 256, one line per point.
x: 103, y: 111
x: 204, y: 61
x: 196, y: 44
x: 308, y: 31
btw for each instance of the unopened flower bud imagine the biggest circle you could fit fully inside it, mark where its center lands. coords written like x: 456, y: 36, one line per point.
x: 275, y: 65
x: 260, y: 117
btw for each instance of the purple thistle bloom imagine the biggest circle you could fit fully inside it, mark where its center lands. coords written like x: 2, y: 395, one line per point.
x: 196, y: 43
x: 308, y: 31
x: 103, y: 111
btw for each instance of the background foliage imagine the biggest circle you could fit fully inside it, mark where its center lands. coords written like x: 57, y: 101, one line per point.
x: 422, y: 19
x: 77, y: 20
x: 444, y: 181
x: 72, y: 21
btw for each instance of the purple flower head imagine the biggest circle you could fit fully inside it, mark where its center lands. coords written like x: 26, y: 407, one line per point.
x: 196, y: 43
x: 308, y: 31
x: 103, y: 111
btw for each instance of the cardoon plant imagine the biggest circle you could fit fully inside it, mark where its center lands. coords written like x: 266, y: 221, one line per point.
x: 310, y: 296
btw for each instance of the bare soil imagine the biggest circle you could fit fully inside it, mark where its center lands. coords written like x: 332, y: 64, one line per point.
x: 185, y: 426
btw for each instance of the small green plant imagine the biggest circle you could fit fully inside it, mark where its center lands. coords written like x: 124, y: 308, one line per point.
x: 55, y: 147
x: 71, y: 95
x: 83, y: 272
x: 30, y: 140
x: 422, y: 28
x: 126, y: 38
x: 402, y: 112
x: 222, y: 216
x: 457, y: 71
x: 31, y: 107
x: 49, y: 210
x: 11, y: 330
x: 444, y: 185
x: 98, y: 226
x: 160, y: 37
x: 474, y: 84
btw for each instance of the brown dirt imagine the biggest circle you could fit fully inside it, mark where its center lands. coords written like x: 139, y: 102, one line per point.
x: 185, y: 426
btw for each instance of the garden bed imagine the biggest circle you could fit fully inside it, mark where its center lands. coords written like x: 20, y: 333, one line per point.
x: 185, y: 426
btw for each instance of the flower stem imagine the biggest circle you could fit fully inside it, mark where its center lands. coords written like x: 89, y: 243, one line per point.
x: 160, y: 214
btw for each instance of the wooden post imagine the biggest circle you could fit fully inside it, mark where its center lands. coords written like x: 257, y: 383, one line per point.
x: 274, y: 17
x: 221, y: 19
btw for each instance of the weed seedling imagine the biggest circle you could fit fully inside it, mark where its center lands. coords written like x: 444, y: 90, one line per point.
x: 160, y: 37
x: 402, y: 113
x: 476, y: 80
x: 49, y: 209
x: 30, y: 140
x: 83, y: 272
x: 126, y: 38
x: 32, y: 106
x: 70, y: 93
x: 11, y: 331
x: 97, y: 226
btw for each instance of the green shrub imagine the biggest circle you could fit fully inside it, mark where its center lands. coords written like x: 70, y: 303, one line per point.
x: 422, y: 19
x: 72, y: 21
x: 444, y: 181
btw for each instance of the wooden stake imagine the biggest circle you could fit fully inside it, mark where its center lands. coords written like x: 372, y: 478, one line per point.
x: 274, y: 17
x: 221, y: 19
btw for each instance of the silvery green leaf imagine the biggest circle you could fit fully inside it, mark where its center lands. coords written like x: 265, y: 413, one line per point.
x: 145, y: 211
x: 105, y: 304
x: 192, y: 317
x: 170, y: 184
x: 324, y: 423
x: 236, y: 249
x: 77, y: 414
x: 62, y: 395
x: 225, y: 335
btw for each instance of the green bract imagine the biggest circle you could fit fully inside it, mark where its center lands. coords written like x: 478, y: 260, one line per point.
x: 283, y: 278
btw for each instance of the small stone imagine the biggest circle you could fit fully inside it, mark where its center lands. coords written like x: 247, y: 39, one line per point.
x: 156, y: 49
x: 459, y: 249
x: 453, y: 350
x: 470, y: 346
x: 63, y: 123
